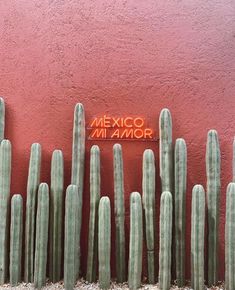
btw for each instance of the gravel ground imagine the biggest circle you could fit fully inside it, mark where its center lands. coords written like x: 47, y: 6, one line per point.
x: 81, y: 285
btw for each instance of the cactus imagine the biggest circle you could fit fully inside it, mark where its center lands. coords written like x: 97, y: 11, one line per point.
x: 32, y: 187
x: 213, y: 200
x: 119, y: 210
x: 229, y: 238
x: 149, y: 208
x: 165, y: 241
x: 136, y: 241
x: 71, y: 237
x: 166, y: 150
x: 197, y: 237
x: 5, y: 180
x: 42, y: 223
x: 234, y: 159
x: 179, y: 200
x: 56, y: 214
x: 94, y: 204
x: 104, y: 242
x: 2, y: 119
x: 78, y: 160
x: 16, y: 239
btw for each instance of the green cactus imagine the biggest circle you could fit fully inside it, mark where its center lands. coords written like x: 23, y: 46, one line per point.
x: 78, y: 160
x: 136, y: 242
x: 56, y: 214
x: 179, y: 200
x: 16, y: 232
x: 5, y: 181
x: 94, y: 205
x: 229, y: 238
x: 165, y: 241
x: 197, y: 237
x: 166, y: 150
x: 213, y: 201
x: 42, y: 223
x: 71, y: 237
x: 32, y: 187
x: 234, y: 160
x: 2, y: 119
x: 149, y: 209
x: 119, y: 209
x: 104, y: 242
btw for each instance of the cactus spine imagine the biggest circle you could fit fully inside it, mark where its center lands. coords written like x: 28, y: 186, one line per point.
x: 2, y: 119
x: 136, y: 242
x: 149, y: 208
x: 119, y: 209
x: 197, y: 237
x: 213, y: 200
x: 42, y: 223
x: 166, y: 150
x: 71, y: 237
x: 5, y: 180
x: 180, y: 192
x: 229, y: 238
x: 32, y: 187
x: 165, y: 241
x: 94, y: 205
x: 16, y: 239
x: 104, y: 242
x: 56, y: 214
x: 78, y: 160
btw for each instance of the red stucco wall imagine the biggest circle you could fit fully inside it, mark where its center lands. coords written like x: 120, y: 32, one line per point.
x: 118, y: 57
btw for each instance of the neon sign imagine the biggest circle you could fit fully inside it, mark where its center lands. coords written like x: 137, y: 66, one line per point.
x: 126, y: 128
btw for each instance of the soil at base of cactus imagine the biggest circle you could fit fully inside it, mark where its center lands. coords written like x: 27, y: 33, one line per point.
x: 83, y: 285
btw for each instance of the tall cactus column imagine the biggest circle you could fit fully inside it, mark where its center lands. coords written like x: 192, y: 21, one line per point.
x: 213, y: 200
x: 42, y: 223
x: 16, y: 232
x: 119, y: 209
x: 56, y: 214
x: 165, y: 241
x: 5, y: 181
x: 179, y: 201
x: 93, y: 222
x: 32, y: 187
x: 230, y: 238
x: 71, y: 237
x: 148, y: 186
x: 104, y: 242
x: 166, y: 150
x: 136, y: 242
x: 2, y: 119
x: 197, y: 237
x: 78, y: 160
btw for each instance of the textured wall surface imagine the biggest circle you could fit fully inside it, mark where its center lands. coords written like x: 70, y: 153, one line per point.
x: 119, y: 58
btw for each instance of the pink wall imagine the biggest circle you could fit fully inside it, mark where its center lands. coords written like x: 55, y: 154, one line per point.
x: 125, y: 58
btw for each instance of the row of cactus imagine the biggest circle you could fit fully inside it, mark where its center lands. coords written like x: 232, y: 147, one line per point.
x: 44, y: 216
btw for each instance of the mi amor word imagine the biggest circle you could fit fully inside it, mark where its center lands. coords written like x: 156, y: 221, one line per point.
x: 119, y: 128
